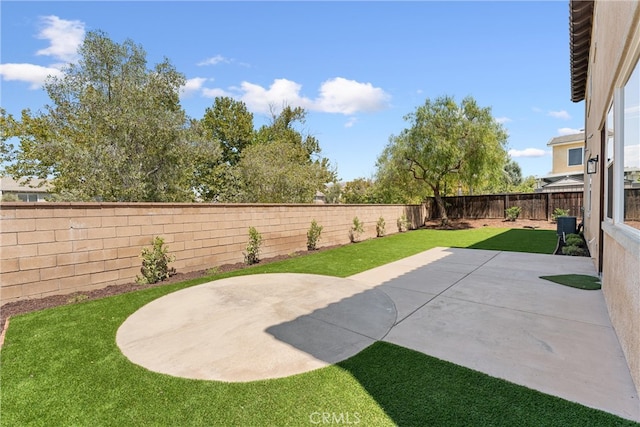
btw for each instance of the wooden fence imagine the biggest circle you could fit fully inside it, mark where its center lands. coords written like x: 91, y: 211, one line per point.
x: 537, y: 206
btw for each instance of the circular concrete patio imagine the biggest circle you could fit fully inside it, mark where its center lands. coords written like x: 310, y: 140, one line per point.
x: 256, y: 327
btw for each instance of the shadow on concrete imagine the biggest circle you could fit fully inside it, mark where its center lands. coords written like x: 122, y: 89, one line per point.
x: 340, y: 329
x: 521, y: 240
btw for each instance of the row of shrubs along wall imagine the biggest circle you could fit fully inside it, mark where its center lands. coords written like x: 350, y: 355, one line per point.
x: 61, y: 248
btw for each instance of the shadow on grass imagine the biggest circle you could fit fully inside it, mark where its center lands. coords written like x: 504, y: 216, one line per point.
x: 415, y: 389
x: 516, y: 240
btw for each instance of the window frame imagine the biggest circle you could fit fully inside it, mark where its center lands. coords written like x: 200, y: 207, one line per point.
x: 569, y: 164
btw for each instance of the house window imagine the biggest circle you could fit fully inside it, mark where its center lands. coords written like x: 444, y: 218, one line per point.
x: 575, y: 156
x: 631, y: 146
x: 27, y: 197
x: 609, y: 163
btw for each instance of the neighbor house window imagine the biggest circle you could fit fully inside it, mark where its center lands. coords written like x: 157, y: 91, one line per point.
x: 27, y: 197
x: 575, y: 156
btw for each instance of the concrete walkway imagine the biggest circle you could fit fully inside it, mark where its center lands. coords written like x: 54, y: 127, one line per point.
x: 485, y: 310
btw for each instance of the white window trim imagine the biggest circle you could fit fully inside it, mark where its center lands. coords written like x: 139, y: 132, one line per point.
x: 617, y: 222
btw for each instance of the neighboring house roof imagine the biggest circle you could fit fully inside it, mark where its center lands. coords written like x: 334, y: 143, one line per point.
x: 568, y: 181
x: 580, y: 20
x: 556, y: 176
x: 10, y: 185
x: 565, y: 139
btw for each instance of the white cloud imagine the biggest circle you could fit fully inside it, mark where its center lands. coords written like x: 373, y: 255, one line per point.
x: 352, y: 121
x: 192, y: 86
x: 30, y: 73
x: 281, y: 92
x: 503, y: 120
x: 214, y: 60
x: 562, y: 114
x: 340, y: 95
x: 568, y: 131
x: 527, y: 152
x: 215, y: 92
x: 336, y: 95
x: 64, y: 37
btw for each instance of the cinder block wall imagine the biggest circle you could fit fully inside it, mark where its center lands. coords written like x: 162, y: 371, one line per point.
x: 60, y: 248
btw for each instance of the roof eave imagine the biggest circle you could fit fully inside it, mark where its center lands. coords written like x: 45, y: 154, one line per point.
x: 580, y: 23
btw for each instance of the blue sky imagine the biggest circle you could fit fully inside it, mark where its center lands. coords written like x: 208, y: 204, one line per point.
x: 357, y: 67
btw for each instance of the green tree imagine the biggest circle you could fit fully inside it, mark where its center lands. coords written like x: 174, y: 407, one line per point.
x: 449, y: 144
x: 284, y: 165
x: 359, y: 191
x: 7, y: 131
x: 512, y: 173
x: 333, y: 192
x: 394, y: 182
x: 212, y: 179
x: 274, y: 173
x: 509, y: 181
x: 115, y: 130
x: 528, y: 185
x: 230, y: 123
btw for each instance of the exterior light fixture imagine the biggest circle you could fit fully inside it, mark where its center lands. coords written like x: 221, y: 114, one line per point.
x: 592, y: 165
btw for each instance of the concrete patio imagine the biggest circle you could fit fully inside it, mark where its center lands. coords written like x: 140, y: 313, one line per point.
x: 486, y: 310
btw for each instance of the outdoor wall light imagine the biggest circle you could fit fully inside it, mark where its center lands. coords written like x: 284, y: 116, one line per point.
x: 592, y: 165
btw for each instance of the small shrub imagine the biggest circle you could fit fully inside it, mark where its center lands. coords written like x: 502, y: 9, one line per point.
x: 313, y: 236
x: 155, y: 263
x: 574, y: 251
x: 356, y: 230
x: 380, y: 227
x: 512, y: 213
x: 213, y: 271
x: 252, y: 256
x: 559, y: 212
x: 403, y: 223
x: 10, y: 197
x: 574, y: 240
x: 77, y: 298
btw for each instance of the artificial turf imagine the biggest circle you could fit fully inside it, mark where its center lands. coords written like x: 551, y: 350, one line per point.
x: 62, y: 367
x: 580, y: 281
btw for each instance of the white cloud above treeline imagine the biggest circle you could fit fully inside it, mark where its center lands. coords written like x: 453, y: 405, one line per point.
x: 336, y: 95
x: 64, y: 39
x: 527, y: 152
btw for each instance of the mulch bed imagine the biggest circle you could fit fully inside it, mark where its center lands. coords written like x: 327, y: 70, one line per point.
x: 26, y: 306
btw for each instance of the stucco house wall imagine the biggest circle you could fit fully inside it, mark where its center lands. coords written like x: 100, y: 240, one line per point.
x: 560, y: 154
x: 613, y: 54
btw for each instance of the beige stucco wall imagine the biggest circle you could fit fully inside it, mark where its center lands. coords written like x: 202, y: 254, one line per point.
x: 561, y: 159
x: 60, y: 248
x: 621, y: 287
x: 615, y: 25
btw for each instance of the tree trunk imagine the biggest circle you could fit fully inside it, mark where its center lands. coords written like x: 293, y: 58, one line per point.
x: 440, y: 204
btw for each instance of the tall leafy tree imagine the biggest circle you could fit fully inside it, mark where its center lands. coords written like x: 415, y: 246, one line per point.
x: 448, y: 144
x: 284, y: 165
x: 115, y: 130
x: 224, y: 132
x: 7, y: 131
x: 360, y: 190
x: 229, y: 122
x: 394, y: 182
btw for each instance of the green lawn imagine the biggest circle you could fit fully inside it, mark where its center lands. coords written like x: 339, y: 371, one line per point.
x: 62, y: 367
